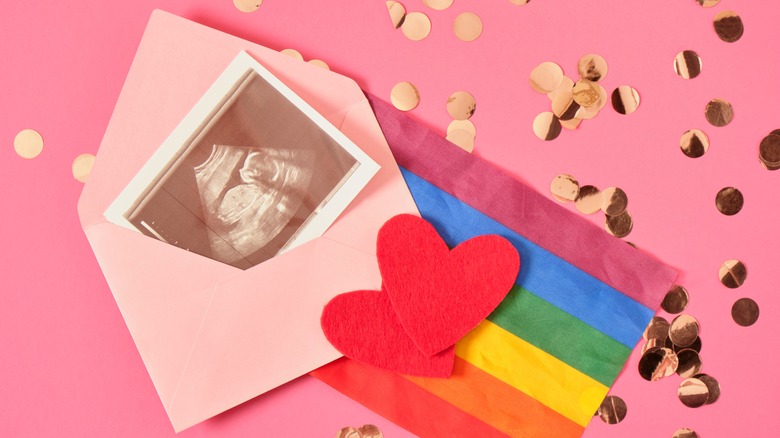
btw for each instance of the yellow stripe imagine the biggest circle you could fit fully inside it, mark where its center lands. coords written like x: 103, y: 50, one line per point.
x: 532, y: 371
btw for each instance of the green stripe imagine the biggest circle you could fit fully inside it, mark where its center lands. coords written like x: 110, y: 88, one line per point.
x: 560, y: 334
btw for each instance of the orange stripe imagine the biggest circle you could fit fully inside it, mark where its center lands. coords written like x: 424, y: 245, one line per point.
x: 498, y: 404
x: 403, y: 402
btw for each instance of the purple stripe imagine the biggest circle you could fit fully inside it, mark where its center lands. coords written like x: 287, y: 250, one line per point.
x: 522, y: 209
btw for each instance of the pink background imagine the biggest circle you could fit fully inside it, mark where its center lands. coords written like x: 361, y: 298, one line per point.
x: 69, y: 366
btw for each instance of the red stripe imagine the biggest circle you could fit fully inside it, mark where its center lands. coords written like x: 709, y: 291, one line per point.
x: 401, y: 401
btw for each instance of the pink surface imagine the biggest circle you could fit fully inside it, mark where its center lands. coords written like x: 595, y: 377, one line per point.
x: 70, y: 367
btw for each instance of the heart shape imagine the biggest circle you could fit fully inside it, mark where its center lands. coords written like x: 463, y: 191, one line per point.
x: 362, y: 325
x: 440, y: 295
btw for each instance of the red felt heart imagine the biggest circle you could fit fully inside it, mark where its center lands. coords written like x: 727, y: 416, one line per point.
x: 440, y: 295
x: 362, y: 325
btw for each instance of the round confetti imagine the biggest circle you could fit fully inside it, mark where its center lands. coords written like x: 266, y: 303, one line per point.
x: 370, y: 431
x: 615, y: 201
x: 732, y: 273
x: 657, y: 363
x: 745, y: 312
x: 612, y: 410
x: 565, y: 188
x: 404, y: 96
x: 696, y: 346
x: 689, y: 363
x: 729, y: 201
x: 685, y: 432
x: 565, y: 88
x: 348, y: 432
x: 439, y: 5
x: 416, y: 26
x: 684, y: 330
x: 397, y: 13
x: 592, y: 67
x: 462, y: 138
x: 546, y: 77
x: 546, y: 126
x: 465, y: 125
x: 564, y: 107
x: 292, y: 53
x: 719, y: 112
x: 713, y: 387
x: 708, y: 3
x: 519, y: 2
x: 728, y: 25
x: 319, y: 63
x: 687, y: 64
x: 589, y: 200
x: 620, y: 225
x: 467, y: 26
x: 676, y: 300
x: 625, y: 99
x: 461, y: 105
x: 692, y: 392
x: 585, y: 93
x: 28, y: 143
x: 247, y: 5
x: 82, y: 166
x: 769, y: 151
x: 657, y: 329
x: 571, y: 124
x: 694, y: 143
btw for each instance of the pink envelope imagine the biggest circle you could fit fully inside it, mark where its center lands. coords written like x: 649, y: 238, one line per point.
x: 213, y: 336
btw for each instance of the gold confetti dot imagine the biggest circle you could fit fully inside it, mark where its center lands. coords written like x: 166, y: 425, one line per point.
x: 397, y: 13
x: 28, y: 143
x: 684, y: 330
x: 685, y: 432
x: 693, y: 393
x: 745, y: 312
x: 348, y: 432
x: 719, y: 112
x: 676, y: 300
x: 292, y: 53
x: 589, y: 200
x: 625, y: 99
x: 571, y: 124
x: 564, y: 107
x: 546, y: 77
x: 519, y: 2
x: 657, y: 363
x: 713, y: 387
x: 728, y: 25
x: 769, y: 151
x: 657, y: 329
x: 82, y: 166
x: 620, y: 225
x: 687, y: 64
x: 565, y: 188
x: 696, y: 346
x: 612, y: 410
x: 319, y: 63
x: 729, y: 201
x: 467, y: 26
x: 689, y: 363
x: 439, y: 5
x: 462, y: 138
x: 546, y: 126
x: 565, y: 88
x: 694, y: 143
x: 370, y: 431
x: 732, y: 273
x: 708, y: 3
x: 615, y: 201
x: 585, y: 93
x: 247, y: 5
x: 416, y: 26
x: 461, y: 105
x: 404, y: 96
x: 466, y: 125
x: 592, y: 67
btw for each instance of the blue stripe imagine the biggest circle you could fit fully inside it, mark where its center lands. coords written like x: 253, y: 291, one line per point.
x: 541, y: 272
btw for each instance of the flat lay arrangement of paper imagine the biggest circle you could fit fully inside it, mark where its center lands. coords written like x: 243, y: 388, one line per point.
x: 545, y: 358
x: 211, y: 335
